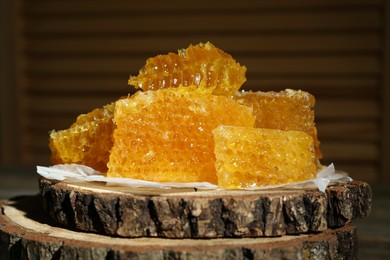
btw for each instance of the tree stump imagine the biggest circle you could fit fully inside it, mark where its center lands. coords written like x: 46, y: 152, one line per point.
x: 27, y: 233
x: 186, y: 213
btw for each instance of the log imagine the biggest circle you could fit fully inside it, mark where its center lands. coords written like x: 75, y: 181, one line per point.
x: 186, y: 213
x: 27, y: 233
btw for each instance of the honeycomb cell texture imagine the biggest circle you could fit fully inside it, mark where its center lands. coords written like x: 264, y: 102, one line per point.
x: 200, y: 65
x: 166, y: 135
x: 87, y: 141
x: 248, y: 157
x: 285, y: 110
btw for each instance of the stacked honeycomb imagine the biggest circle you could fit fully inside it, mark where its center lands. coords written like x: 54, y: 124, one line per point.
x: 166, y: 135
x: 199, y: 65
x: 184, y: 126
x: 285, y: 110
x: 247, y: 157
x: 87, y: 141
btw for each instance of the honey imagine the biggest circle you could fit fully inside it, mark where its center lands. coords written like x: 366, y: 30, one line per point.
x: 87, y: 141
x: 166, y: 135
x: 248, y: 157
x: 198, y: 65
x: 284, y: 110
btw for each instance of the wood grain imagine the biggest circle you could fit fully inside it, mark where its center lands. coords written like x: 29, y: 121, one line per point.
x: 176, y: 213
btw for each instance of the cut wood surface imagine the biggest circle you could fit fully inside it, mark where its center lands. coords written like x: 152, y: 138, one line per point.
x: 27, y: 233
x: 185, y: 213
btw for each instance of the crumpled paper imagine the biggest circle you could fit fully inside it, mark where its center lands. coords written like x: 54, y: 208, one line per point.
x: 76, y: 173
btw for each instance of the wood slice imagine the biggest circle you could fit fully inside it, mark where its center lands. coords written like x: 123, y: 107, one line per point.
x: 174, y: 213
x: 27, y: 233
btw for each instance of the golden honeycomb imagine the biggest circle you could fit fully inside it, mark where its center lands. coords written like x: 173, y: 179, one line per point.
x: 186, y: 127
x: 166, y: 135
x: 284, y: 110
x: 88, y: 140
x: 201, y: 64
x: 248, y: 157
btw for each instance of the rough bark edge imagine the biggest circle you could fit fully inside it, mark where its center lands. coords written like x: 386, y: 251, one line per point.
x: 262, y: 215
x: 17, y: 242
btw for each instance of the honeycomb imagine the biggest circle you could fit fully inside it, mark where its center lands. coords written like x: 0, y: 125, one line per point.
x: 285, y: 110
x: 247, y: 157
x: 87, y: 141
x: 200, y: 65
x: 166, y: 135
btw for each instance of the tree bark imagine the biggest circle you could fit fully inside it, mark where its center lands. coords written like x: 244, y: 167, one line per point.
x: 26, y: 233
x: 176, y: 213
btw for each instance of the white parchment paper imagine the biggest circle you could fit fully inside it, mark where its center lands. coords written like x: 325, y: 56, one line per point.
x: 76, y: 173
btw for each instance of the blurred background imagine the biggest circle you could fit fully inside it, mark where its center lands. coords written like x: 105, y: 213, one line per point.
x: 62, y: 58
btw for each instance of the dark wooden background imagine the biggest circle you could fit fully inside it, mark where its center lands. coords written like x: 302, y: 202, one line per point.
x: 62, y: 58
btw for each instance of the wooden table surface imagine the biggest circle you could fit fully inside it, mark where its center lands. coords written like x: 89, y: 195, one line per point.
x: 373, y: 232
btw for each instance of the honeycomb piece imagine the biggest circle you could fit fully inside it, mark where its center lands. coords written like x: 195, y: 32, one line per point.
x: 166, y: 135
x: 285, y: 110
x: 247, y: 157
x: 87, y: 141
x: 202, y: 64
